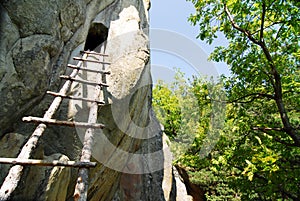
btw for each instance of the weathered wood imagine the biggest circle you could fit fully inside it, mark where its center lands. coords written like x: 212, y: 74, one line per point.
x: 36, y: 162
x: 93, y: 52
x: 12, y: 179
x: 81, y: 188
x: 88, y: 60
x: 62, y: 123
x: 75, y: 98
x: 88, y: 70
x: 82, y: 81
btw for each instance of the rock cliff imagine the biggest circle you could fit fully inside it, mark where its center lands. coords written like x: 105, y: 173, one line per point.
x: 38, y: 38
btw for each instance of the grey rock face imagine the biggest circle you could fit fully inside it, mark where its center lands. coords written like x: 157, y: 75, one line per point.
x: 38, y: 39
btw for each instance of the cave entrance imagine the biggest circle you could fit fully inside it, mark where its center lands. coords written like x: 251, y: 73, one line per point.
x: 96, y: 36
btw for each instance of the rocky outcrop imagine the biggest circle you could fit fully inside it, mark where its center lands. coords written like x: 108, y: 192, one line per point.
x: 38, y: 39
x: 195, y: 191
x: 35, y: 47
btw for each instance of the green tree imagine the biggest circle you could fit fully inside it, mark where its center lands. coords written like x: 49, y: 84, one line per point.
x: 263, y: 50
x: 261, y: 156
x: 191, y: 116
x: 176, y: 106
x: 245, y: 164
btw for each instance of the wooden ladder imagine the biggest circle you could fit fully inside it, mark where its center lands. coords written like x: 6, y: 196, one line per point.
x: 12, y: 179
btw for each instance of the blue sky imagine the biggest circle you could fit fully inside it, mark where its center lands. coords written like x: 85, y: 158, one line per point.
x: 172, y: 15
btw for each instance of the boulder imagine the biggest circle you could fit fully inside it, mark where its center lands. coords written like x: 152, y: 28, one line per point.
x: 38, y: 183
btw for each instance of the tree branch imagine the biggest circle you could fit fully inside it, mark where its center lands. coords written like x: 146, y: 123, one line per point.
x: 288, y: 194
x: 278, y: 97
x: 276, y: 76
x: 236, y: 26
x: 267, y: 129
x: 263, y: 15
x: 270, y: 25
x: 277, y: 34
x: 277, y: 139
x: 254, y: 96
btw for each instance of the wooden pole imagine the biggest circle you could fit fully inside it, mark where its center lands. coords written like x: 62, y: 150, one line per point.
x: 88, y: 70
x: 95, y: 53
x: 81, y: 188
x: 89, y: 60
x: 75, y: 98
x: 82, y: 81
x: 62, y: 123
x: 12, y: 179
x: 35, y: 162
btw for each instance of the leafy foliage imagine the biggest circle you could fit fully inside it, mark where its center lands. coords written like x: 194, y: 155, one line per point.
x: 258, y: 154
x: 200, y: 117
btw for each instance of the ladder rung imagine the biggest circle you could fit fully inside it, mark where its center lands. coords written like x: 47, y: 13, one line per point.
x: 19, y: 161
x: 74, y: 98
x: 89, y: 70
x: 93, y: 52
x: 88, y: 60
x: 82, y: 81
x: 62, y: 123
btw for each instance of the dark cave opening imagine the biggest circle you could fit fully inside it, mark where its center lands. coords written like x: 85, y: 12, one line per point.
x: 96, y: 36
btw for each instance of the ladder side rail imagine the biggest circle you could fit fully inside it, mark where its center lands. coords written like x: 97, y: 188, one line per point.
x: 81, y: 188
x: 14, y: 175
